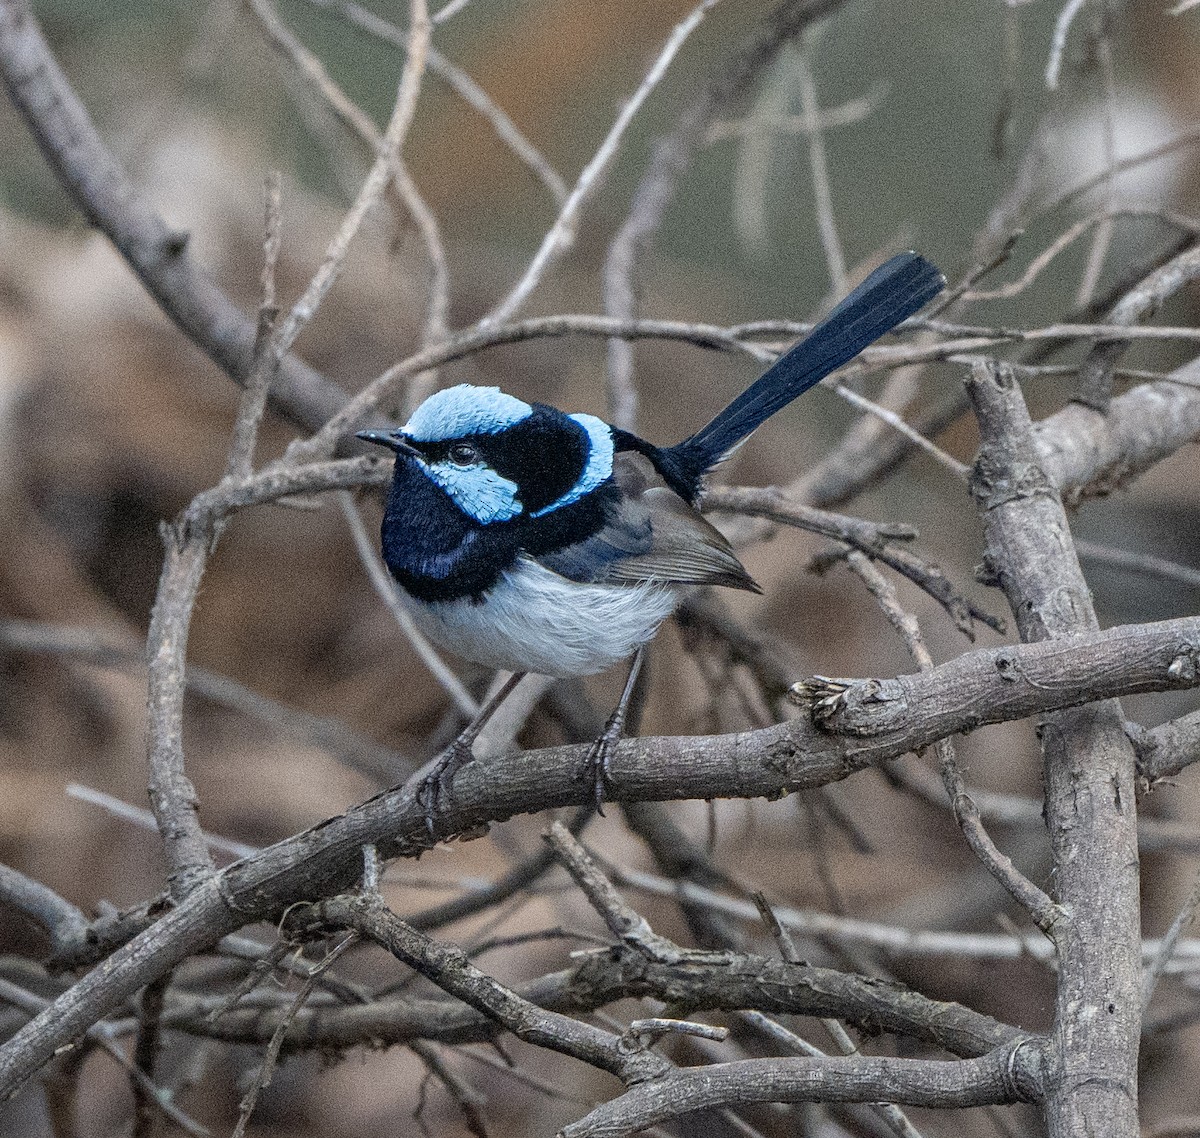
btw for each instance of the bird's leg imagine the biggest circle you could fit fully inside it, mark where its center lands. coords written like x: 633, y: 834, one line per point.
x: 602, y: 749
x: 435, y: 786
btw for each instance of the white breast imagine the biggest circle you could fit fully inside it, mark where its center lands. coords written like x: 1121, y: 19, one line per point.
x: 536, y: 621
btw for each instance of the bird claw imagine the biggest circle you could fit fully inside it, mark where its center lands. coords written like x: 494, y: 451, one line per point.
x: 595, y: 771
x: 433, y: 795
x: 596, y: 767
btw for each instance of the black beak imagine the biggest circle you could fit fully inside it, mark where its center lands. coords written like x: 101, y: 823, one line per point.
x: 393, y: 440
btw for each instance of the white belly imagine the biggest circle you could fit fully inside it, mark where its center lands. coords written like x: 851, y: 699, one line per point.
x: 536, y: 621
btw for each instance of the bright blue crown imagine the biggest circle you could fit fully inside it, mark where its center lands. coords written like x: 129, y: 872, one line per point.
x: 465, y: 410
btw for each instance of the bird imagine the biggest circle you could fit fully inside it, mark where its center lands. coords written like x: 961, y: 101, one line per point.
x: 529, y: 539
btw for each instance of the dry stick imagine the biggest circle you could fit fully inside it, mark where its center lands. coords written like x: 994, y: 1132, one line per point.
x: 892, y: 1115
x: 1090, y: 772
x: 789, y: 1040
x: 1066, y: 239
x: 1042, y: 911
x: 240, y: 461
x: 1004, y: 1076
x: 1096, y: 372
x: 1184, y: 138
x: 157, y: 254
x: 467, y: 1098
x: 385, y: 589
x: 670, y: 158
x: 1102, y: 239
x: 61, y: 920
x: 1058, y: 43
x: 835, y: 258
x: 624, y: 922
x: 1166, y: 750
x: 452, y: 971
x: 525, y: 1078
x: 883, y: 414
x: 145, y: 1055
x: 377, y: 179
x: 189, y: 542
x: 1183, y: 918
x: 1155, y: 835
x: 877, y: 540
x: 755, y: 161
x: 562, y: 233
x: 715, y: 981
x: 118, y: 808
x: 463, y: 85
x: 172, y: 795
x: 849, y: 113
x: 902, y: 943
x: 266, y: 1070
x: 981, y: 686
x: 877, y: 358
x: 862, y: 456
x: 1145, y: 564
x: 520, y: 876
x: 323, y: 86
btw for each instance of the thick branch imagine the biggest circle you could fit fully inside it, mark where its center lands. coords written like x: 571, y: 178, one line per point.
x: 1008, y: 1075
x: 770, y: 762
x: 1090, y: 781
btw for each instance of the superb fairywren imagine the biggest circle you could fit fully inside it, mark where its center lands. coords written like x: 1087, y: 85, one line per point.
x: 533, y: 540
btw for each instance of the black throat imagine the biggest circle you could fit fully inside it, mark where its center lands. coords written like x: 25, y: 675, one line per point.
x: 438, y: 553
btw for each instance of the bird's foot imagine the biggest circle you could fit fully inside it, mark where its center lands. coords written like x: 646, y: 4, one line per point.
x: 600, y: 755
x: 433, y: 795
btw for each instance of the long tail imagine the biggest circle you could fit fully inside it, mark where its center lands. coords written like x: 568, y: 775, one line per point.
x: 891, y: 293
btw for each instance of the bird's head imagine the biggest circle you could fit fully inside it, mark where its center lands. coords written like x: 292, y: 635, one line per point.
x: 497, y: 457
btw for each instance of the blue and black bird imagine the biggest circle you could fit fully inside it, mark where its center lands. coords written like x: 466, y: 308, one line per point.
x: 533, y: 540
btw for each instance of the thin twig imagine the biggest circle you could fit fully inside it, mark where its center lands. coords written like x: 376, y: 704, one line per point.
x: 1143, y: 564
x: 118, y: 808
x: 462, y: 83
x: 1058, y: 42
x: 330, y: 269
x: 1167, y: 945
x: 322, y: 84
x: 1040, y: 908
x: 266, y: 1069
x: 562, y: 233
x: 266, y: 359
x: 831, y: 242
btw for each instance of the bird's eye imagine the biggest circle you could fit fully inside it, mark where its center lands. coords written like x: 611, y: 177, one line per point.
x: 462, y: 454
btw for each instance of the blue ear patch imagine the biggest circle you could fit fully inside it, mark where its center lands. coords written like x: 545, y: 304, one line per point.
x: 465, y: 410
x: 477, y: 490
x: 598, y: 467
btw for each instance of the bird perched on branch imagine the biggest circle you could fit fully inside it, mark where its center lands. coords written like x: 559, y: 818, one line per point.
x: 532, y: 540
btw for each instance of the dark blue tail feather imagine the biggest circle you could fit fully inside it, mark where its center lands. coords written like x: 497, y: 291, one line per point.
x: 893, y: 292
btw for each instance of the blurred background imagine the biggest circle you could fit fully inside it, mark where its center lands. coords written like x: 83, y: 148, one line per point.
x: 110, y: 421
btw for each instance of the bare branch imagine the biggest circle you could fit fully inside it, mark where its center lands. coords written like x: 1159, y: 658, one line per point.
x: 61, y: 920
x: 1090, y: 773
x: 393, y: 139
x: 562, y: 233
x: 157, y: 254
x: 451, y: 970
x: 1008, y: 1075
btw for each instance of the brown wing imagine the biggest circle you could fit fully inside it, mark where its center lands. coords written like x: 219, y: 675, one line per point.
x: 654, y: 535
